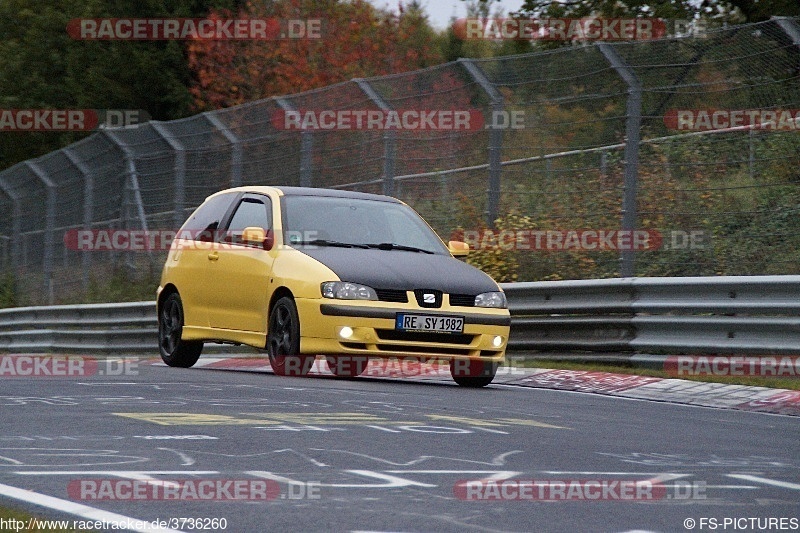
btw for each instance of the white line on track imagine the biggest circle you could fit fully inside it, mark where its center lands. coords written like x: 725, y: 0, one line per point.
x: 766, y: 481
x: 77, y: 509
x: 119, y: 473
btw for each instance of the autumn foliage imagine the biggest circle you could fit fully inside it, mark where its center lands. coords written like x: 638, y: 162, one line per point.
x: 357, y: 40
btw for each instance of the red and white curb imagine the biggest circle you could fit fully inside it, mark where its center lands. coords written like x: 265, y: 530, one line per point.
x: 680, y: 391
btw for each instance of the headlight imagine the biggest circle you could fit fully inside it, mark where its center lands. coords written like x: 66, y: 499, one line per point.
x: 342, y: 290
x: 491, y: 299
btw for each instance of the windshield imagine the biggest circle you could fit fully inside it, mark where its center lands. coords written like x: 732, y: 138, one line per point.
x: 325, y: 219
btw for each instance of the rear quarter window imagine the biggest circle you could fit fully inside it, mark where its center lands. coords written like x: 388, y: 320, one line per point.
x: 207, y: 218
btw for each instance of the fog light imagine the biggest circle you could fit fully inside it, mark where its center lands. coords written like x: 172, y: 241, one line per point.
x: 346, y: 332
x: 497, y: 341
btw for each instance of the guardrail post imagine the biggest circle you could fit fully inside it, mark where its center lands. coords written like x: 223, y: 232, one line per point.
x: 633, y: 124
x: 495, y: 139
x: 88, y: 208
x: 132, y: 185
x: 180, y: 172
x: 236, y: 147
x: 50, y: 225
x: 306, y: 147
x: 389, y: 136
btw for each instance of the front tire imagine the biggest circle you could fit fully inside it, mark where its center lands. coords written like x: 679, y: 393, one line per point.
x: 175, y: 351
x: 472, y: 374
x: 283, y: 340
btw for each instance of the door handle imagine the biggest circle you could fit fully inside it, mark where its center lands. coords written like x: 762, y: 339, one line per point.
x: 213, y: 256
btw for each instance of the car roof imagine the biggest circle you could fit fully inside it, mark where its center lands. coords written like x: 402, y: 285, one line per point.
x: 311, y: 191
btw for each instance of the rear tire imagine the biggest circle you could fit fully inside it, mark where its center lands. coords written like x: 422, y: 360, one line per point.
x: 473, y: 374
x: 347, y: 365
x: 283, y: 340
x: 175, y: 351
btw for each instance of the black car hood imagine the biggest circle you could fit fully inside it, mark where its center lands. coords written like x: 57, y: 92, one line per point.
x: 396, y: 269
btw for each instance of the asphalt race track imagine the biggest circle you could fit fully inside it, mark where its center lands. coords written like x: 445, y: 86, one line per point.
x: 371, y: 454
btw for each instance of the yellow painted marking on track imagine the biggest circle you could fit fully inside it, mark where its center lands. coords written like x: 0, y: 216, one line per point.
x: 498, y: 422
x: 468, y: 421
x: 526, y: 422
x: 320, y: 419
x: 193, y: 419
x: 323, y: 418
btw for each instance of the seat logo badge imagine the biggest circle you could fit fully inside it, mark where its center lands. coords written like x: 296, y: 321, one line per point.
x: 429, y: 298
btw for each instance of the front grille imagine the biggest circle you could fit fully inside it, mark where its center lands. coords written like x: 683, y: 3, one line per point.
x: 355, y: 345
x: 392, y: 295
x: 462, y: 300
x: 421, y: 336
x: 428, y: 298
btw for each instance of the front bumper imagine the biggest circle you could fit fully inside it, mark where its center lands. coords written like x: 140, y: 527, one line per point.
x: 374, y: 333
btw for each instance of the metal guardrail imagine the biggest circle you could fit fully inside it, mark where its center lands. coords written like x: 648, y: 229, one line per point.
x: 693, y: 315
x: 90, y: 328
x: 726, y: 315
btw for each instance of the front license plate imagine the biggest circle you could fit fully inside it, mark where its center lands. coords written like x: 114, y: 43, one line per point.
x: 436, y: 324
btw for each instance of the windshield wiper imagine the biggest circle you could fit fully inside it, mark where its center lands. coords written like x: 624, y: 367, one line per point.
x: 402, y: 247
x: 326, y: 242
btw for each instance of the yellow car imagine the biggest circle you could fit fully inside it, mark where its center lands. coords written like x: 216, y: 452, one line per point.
x: 303, y: 272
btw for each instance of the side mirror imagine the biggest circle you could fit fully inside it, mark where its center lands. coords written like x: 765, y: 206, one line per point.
x: 458, y: 248
x: 258, y: 237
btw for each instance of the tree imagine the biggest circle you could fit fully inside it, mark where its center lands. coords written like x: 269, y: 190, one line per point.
x: 42, y: 67
x: 730, y: 11
x: 455, y: 47
x: 358, y: 40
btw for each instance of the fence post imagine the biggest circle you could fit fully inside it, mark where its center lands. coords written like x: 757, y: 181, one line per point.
x: 236, y: 147
x: 132, y: 185
x: 791, y: 28
x: 389, y: 136
x: 495, y: 139
x: 180, y: 172
x: 633, y: 124
x: 88, y: 209
x: 306, y: 146
x: 16, y: 224
x: 50, y: 228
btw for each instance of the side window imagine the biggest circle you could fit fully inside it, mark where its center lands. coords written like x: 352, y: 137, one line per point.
x: 206, y: 218
x: 252, y: 211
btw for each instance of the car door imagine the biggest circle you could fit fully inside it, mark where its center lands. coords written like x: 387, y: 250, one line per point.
x: 238, y: 272
x: 189, y: 263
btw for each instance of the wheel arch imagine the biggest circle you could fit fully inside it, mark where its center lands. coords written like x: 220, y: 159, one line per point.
x: 168, y: 289
x: 277, y: 294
